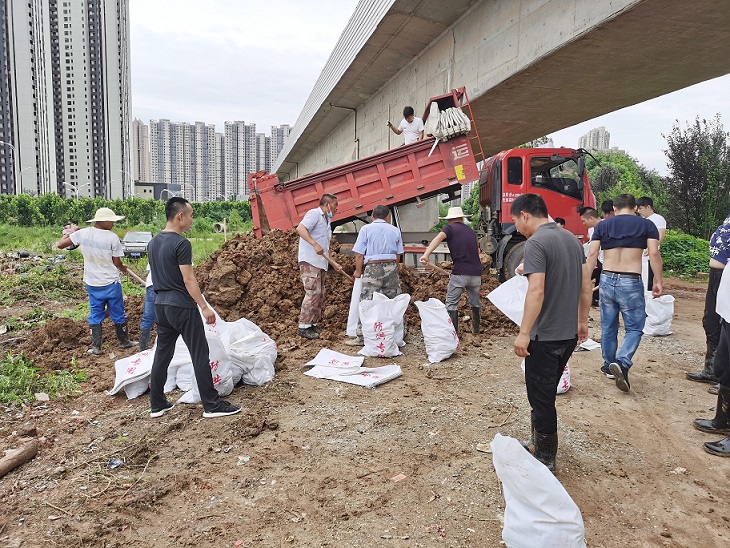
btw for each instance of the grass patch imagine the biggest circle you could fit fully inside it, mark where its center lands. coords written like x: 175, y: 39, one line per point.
x: 20, y: 381
x: 40, y: 282
x: 79, y: 312
x: 28, y: 320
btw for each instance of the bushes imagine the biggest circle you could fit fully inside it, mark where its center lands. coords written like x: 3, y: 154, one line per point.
x: 52, y: 210
x: 684, y: 255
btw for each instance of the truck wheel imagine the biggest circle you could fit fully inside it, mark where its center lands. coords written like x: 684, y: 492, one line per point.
x: 512, y: 259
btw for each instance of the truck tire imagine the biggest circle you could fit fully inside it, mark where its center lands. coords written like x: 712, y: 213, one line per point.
x: 512, y: 259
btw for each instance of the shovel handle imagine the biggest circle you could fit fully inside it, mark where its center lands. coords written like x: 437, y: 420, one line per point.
x: 134, y: 276
x: 332, y: 264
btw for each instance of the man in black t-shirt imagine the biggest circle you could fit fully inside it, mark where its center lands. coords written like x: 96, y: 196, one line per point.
x: 467, y: 271
x: 176, y: 312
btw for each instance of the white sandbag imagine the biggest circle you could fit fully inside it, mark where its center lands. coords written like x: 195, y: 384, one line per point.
x: 354, y: 312
x: 432, y: 121
x: 659, y: 313
x: 510, y: 297
x: 398, y: 306
x: 252, y: 353
x: 220, y: 369
x: 439, y: 335
x: 137, y: 388
x: 254, y: 356
x: 133, y: 369
x: 538, y: 510
x: 181, y: 367
x: 220, y: 365
x: 564, y: 384
x: 378, y: 330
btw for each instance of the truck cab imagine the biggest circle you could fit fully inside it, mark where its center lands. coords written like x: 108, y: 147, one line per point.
x: 556, y: 174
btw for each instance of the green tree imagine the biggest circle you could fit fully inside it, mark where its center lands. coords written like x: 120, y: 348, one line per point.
x: 698, y: 184
x: 619, y: 173
x: 27, y: 211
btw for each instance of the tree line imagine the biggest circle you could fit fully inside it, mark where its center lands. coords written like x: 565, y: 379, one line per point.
x: 694, y: 196
x: 53, y: 210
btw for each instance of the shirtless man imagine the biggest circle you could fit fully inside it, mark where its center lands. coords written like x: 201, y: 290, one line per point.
x: 623, y: 239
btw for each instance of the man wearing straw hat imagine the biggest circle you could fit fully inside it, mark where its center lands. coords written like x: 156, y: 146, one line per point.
x: 102, y: 253
x: 467, y: 271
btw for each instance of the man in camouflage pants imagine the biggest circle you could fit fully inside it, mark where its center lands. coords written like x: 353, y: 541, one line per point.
x: 377, y: 254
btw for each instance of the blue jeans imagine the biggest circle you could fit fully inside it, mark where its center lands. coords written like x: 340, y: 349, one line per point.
x: 625, y: 294
x: 108, y: 296
x: 148, y: 314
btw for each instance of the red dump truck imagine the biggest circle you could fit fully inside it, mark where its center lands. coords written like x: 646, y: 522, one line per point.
x: 429, y: 168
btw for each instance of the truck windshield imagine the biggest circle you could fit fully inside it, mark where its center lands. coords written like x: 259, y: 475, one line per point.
x: 558, y: 174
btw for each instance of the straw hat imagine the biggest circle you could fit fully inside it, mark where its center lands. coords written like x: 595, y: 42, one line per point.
x: 105, y: 214
x: 454, y: 213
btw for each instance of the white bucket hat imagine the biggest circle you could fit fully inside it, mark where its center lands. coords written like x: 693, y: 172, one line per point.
x: 105, y: 214
x: 454, y: 213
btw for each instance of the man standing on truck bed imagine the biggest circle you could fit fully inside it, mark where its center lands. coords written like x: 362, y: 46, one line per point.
x: 377, y: 250
x: 315, y: 234
x: 467, y: 272
x: 623, y: 239
x: 410, y: 125
x: 102, y: 253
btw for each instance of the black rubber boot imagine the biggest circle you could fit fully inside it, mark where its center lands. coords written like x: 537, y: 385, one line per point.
x: 454, y: 315
x: 721, y: 423
x: 708, y: 373
x: 124, y: 341
x: 144, y: 339
x: 95, y: 340
x: 476, y: 316
x: 531, y: 442
x: 546, y: 449
x: 714, y: 389
x: 720, y: 448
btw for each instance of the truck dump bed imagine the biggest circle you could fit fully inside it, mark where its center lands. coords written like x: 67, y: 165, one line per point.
x: 392, y: 178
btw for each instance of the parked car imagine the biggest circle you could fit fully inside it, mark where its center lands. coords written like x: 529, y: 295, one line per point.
x: 134, y: 244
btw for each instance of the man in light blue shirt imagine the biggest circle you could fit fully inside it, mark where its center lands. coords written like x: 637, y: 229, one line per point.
x: 315, y: 233
x: 377, y: 252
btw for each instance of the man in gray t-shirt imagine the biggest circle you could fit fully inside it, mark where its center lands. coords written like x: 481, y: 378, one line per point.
x: 555, y: 317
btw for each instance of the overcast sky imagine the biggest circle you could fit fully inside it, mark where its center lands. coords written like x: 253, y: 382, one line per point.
x: 225, y: 60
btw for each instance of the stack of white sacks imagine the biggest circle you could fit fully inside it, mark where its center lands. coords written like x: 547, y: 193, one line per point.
x: 239, y: 351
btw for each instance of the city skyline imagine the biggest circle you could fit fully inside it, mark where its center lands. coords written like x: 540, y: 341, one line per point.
x: 205, y: 164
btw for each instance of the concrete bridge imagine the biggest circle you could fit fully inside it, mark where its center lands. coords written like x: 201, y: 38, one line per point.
x: 530, y: 67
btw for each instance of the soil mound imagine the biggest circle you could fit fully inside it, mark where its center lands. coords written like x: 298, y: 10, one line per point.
x: 259, y: 279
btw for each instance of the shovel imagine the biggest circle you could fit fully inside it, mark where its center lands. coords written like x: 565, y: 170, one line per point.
x: 332, y: 264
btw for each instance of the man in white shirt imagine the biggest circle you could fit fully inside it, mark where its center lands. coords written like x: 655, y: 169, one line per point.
x: 721, y: 423
x: 410, y: 126
x: 102, y: 253
x: 645, y: 208
x: 315, y: 234
x: 590, y: 218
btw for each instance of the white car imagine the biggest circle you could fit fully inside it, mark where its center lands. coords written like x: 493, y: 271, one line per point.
x: 134, y: 244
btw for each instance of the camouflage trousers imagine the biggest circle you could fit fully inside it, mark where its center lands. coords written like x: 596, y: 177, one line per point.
x: 379, y: 278
x: 313, y: 280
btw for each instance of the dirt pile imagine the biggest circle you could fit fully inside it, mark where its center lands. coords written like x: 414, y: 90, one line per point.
x: 259, y: 280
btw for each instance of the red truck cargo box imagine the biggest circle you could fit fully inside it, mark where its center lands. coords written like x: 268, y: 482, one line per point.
x: 395, y: 177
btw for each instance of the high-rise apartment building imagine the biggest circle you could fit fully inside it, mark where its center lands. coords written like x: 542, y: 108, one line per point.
x: 240, y: 158
x: 279, y: 135
x: 65, y: 95
x: 263, y: 152
x: 141, y: 151
x: 187, y: 155
x: 596, y: 139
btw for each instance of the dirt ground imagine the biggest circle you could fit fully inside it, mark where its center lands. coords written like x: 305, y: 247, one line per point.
x: 312, y: 463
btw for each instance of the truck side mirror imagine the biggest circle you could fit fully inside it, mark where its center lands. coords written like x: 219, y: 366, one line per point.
x: 581, y: 172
